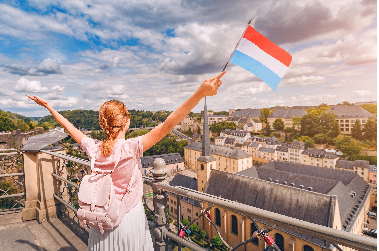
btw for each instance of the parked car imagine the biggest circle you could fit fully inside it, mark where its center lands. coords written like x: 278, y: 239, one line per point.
x: 370, y: 232
x: 372, y: 215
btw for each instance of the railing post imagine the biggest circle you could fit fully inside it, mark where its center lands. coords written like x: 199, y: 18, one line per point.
x: 159, y: 172
x: 178, y: 211
x: 39, y: 186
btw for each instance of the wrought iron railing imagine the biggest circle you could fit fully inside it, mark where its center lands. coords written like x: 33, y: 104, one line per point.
x: 70, y: 173
x: 74, y: 172
x: 12, y: 185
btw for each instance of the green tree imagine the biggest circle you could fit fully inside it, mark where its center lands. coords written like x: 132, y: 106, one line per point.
x: 20, y: 124
x: 189, y: 132
x: 203, y: 234
x: 371, y: 108
x: 267, y: 130
x: 265, y: 112
x: 136, y: 134
x: 310, y: 125
x: 100, y: 135
x: 194, y: 228
x: 216, y: 241
x: 185, y: 222
x: 345, y: 103
x: 348, y: 146
x: 278, y: 124
x: 198, y: 130
x: 356, y: 131
x: 309, y: 142
x: 218, y: 127
x: 296, y: 122
x: 6, y: 124
x: 369, y: 130
x: 329, y: 124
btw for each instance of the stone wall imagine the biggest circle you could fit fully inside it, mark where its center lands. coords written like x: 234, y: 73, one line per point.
x: 15, y: 139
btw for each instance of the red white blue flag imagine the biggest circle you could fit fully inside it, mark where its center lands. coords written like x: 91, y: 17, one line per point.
x: 260, y: 56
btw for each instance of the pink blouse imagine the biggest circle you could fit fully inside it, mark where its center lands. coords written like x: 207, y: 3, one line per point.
x: 127, y: 153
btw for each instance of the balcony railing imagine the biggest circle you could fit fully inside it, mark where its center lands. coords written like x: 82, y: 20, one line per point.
x: 12, y: 190
x: 70, y: 171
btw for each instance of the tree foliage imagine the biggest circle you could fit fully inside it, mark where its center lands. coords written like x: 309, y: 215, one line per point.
x: 203, y: 233
x: 310, y: 125
x: 265, y: 112
x: 348, y: 146
x: 167, y: 145
x: 309, y: 142
x: 185, y: 222
x: 372, y: 108
x: 194, y: 228
x: 356, y: 131
x: 370, y: 130
x: 267, y: 130
x: 216, y: 241
x: 278, y: 124
x: 218, y: 127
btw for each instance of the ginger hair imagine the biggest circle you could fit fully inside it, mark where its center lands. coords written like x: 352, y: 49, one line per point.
x: 113, y: 115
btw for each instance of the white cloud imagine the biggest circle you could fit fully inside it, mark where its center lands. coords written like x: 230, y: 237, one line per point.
x: 362, y: 94
x: 305, y: 81
x: 24, y: 85
x: 332, y: 86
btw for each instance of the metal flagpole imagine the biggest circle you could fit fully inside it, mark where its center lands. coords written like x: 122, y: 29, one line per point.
x: 237, y: 45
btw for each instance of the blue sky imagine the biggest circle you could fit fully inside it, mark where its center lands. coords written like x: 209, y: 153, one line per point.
x: 152, y: 55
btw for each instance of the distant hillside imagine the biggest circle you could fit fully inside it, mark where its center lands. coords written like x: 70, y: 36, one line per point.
x: 88, y: 119
x: 14, y: 117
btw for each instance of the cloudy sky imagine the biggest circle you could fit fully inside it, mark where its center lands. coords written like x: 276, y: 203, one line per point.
x: 152, y: 55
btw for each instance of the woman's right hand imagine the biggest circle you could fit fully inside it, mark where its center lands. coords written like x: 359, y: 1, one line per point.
x: 39, y: 101
x: 210, y: 86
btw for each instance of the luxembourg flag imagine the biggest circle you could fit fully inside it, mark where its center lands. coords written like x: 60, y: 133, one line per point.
x: 262, y: 57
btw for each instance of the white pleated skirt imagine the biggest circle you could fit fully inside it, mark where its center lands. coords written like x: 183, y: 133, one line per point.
x: 131, y: 235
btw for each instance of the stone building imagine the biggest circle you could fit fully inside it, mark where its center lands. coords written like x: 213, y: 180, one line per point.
x: 334, y: 198
x: 318, y: 157
x: 346, y: 115
x: 286, y: 115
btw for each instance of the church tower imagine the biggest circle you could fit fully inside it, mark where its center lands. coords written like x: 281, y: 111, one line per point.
x: 205, y: 163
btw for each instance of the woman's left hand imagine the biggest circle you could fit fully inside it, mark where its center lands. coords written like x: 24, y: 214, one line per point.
x: 39, y: 101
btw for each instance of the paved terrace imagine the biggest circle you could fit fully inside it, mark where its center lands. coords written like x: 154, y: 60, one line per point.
x: 52, y: 235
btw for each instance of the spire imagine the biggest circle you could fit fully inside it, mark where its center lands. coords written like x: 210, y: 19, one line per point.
x: 206, y: 141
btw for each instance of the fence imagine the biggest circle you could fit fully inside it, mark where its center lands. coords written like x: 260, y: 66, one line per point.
x: 12, y: 189
x: 70, y: 170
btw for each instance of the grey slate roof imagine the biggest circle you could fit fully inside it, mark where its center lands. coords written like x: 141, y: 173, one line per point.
x: 282, y: 148
x: 297, y: 145
x: 225, y: 151
x: 243, y: 120
x: 238, y: 145
x: 319, y: 153
x: 327, y: 181
x: 254, y: 144
x: 230, y: 141
x: 279, y: 113
x: 350, y: 164
x: 296, y: 112
x: 350, y: 111
x: 273, y: 197
x: 233, y: 119
x: 268, y: 150
x: 170, y: 158
x: 188, y: 182
x: 248, y: 113
x: 288, y: 113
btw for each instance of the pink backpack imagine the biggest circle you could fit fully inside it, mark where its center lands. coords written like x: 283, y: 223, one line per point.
x: 99, y: 207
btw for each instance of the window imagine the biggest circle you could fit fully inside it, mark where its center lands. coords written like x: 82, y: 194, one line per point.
x: 218, y: 217
x: 279, y: 240
x: 342, y: 129
x: 202, y: 166
x: 347, y: 129
x: 188, y: 210
x: 347, y: 121
x: 253, y: 228
x: 172, y: 210
x: 374, y: 175
x: 174, y: 203
x: 189, y: 218
x: 234, y: 224
x: 307, y: 248
x: 197, y: 214
x: 362, y: 173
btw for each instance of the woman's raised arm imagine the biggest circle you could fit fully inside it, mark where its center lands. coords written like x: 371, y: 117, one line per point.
x: 76, y: 134
x: 208, y: 88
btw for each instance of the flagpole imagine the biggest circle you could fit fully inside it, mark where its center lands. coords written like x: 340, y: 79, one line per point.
x: 236, y: 45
